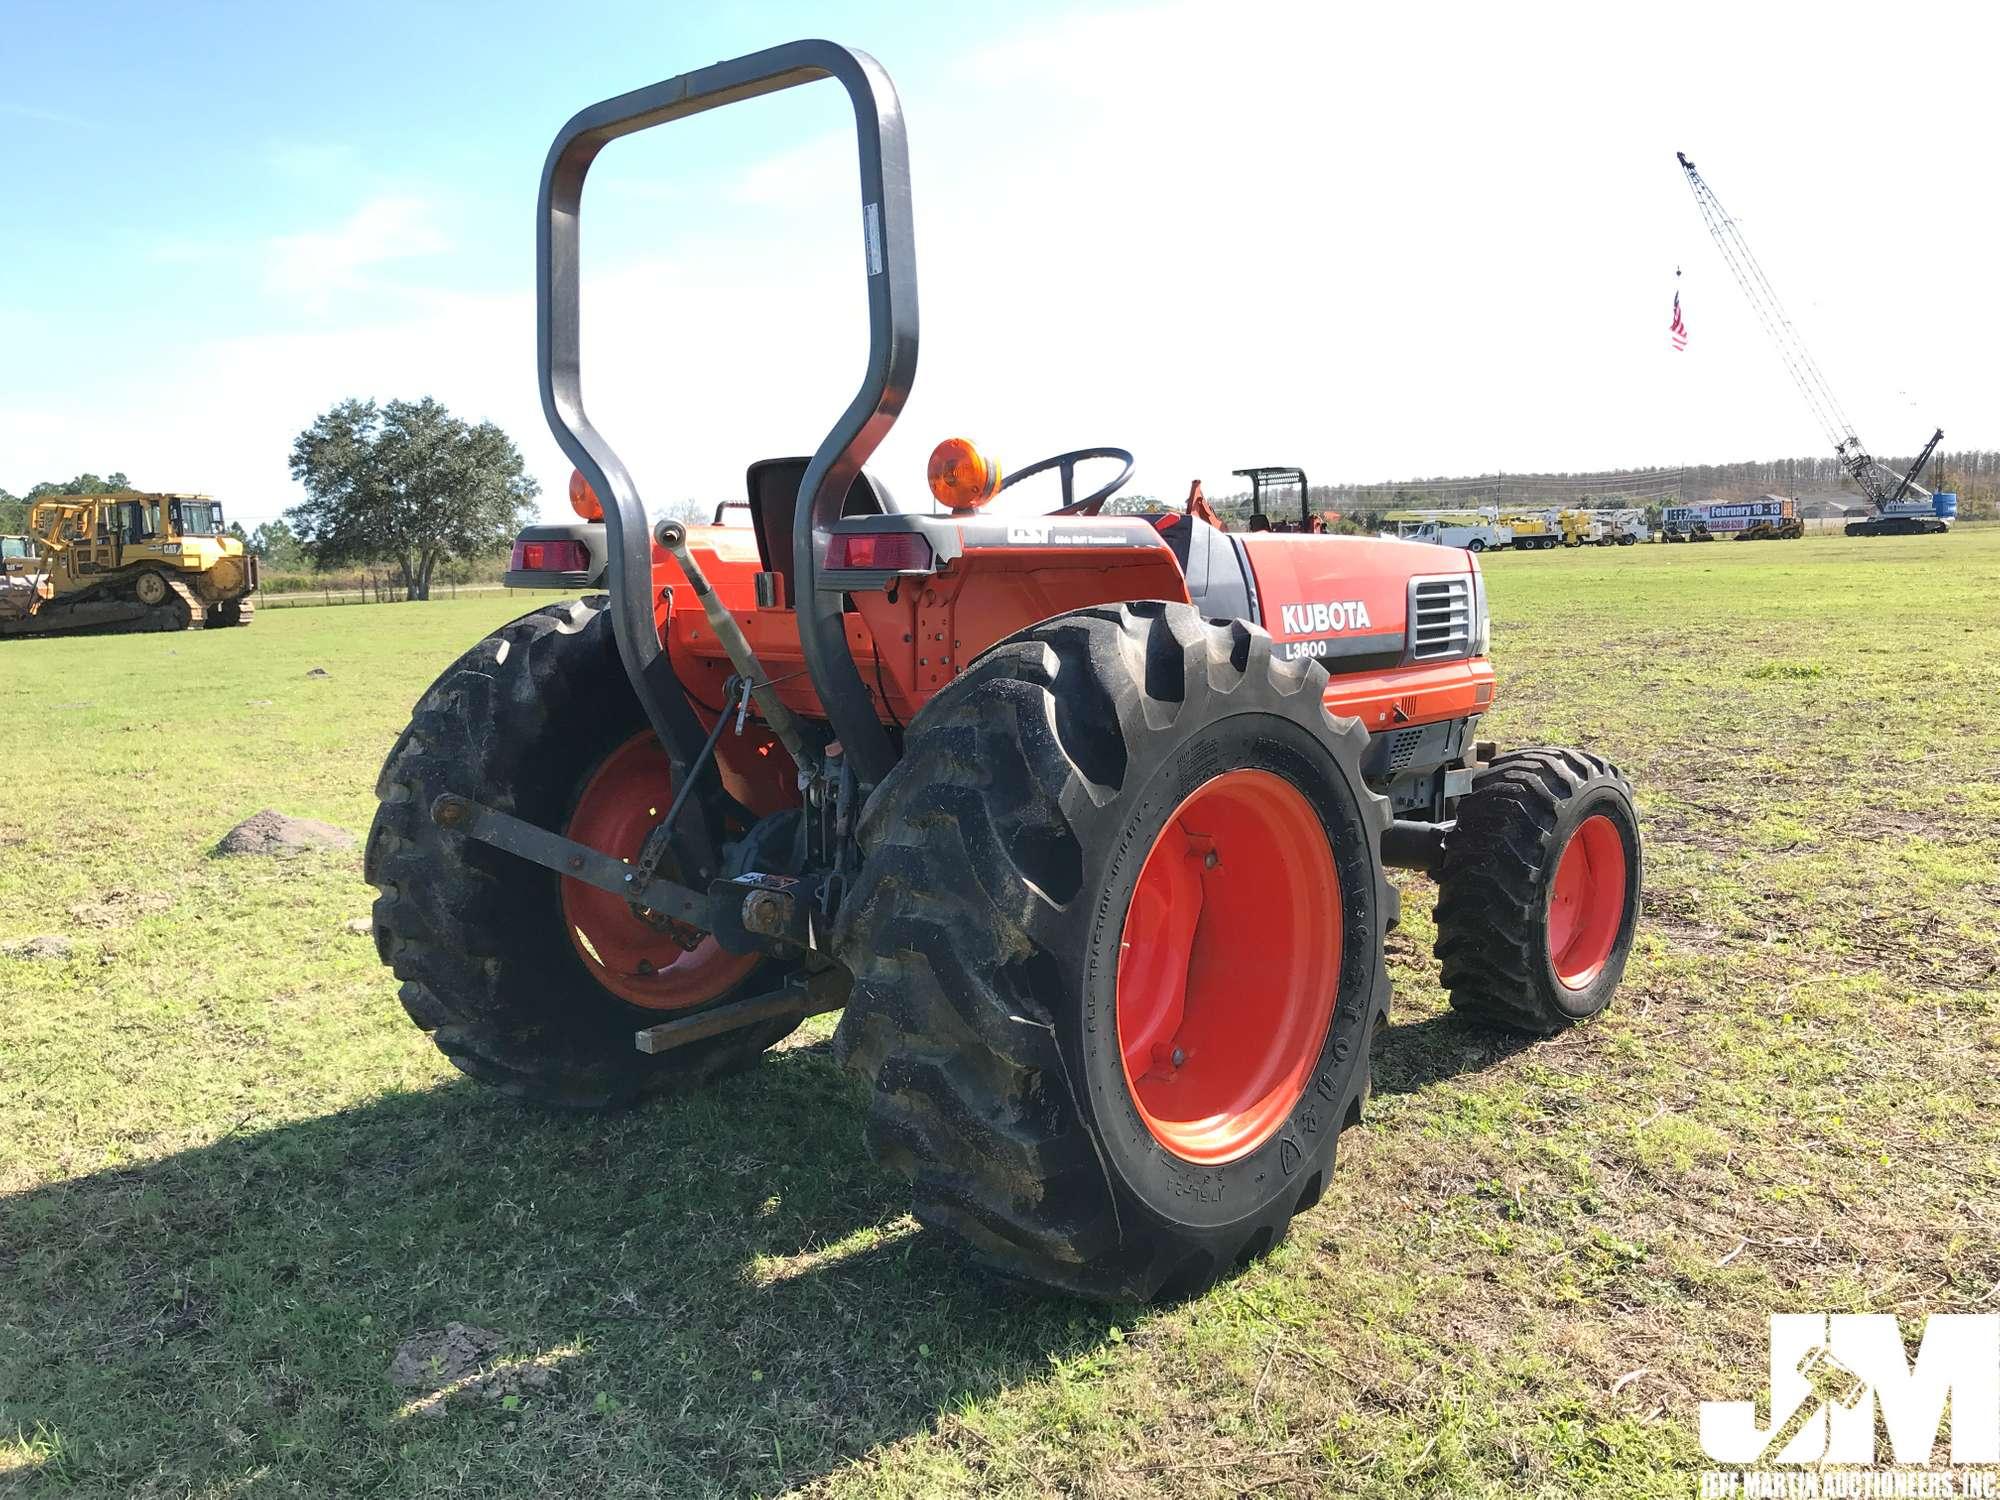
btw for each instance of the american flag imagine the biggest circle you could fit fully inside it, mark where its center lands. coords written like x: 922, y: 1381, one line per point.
x: 1677, y: 330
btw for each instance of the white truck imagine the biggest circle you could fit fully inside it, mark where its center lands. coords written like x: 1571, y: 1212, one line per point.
x: 1627, y: 527
x: 1473, y: 536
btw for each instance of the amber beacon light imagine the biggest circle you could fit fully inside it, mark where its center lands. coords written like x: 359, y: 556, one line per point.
x: 583, y: 499
x: 961, y: 476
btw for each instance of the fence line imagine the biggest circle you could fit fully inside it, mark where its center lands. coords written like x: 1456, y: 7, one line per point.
x: 375, y: 594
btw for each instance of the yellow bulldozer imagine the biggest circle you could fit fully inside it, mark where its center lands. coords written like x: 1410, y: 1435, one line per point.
x: 111, y: 563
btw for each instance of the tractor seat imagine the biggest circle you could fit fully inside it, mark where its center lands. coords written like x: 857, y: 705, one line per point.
x: 1211, y: 562
x: 774, y: 504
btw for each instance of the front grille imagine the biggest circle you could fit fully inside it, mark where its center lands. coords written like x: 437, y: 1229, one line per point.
x: 1441, y: 617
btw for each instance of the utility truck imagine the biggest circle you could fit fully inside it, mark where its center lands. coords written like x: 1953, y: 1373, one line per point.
x: 1473, y: 536
x: 1534, y: 531
x: 1580, y: 528
x: 1625, y: 527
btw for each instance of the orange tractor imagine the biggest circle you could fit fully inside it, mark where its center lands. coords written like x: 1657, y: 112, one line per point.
x: 1081, y: 819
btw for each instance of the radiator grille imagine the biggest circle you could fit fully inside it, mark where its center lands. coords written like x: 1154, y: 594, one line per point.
x: 1441, y: 618
x: 1403, y: 747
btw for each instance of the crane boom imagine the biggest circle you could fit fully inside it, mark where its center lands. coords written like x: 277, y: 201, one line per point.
x: 1884, y: 486
x: 1910, y: 479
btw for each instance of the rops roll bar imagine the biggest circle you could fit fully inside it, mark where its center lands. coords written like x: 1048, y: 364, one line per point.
x: 889, y: 247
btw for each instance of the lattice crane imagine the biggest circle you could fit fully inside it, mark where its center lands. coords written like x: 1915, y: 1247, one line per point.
x: 1902, y: 506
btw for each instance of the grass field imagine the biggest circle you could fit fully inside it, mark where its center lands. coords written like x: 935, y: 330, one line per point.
x: 234, y: 1179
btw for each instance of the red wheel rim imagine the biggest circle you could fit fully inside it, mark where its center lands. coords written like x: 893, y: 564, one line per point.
x: 623, y: 802
x: 1228, y: 965
x: 1587, y: 901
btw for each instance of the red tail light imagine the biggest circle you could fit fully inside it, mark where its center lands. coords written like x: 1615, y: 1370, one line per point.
x: 879, y: 552
x: 551, y: 557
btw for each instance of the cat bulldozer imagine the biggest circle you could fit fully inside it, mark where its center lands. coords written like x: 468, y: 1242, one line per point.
x: 105, y: 564
x: 1082, y: 819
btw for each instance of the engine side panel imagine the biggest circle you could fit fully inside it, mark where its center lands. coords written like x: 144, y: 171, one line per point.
x: 1345, y: 601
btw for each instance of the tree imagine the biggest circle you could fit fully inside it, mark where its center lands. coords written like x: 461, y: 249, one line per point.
x: 84, y: 484
x: 277, y: 546
x: 694, y: 512
x: 14, y: 509
x: 406, y: 483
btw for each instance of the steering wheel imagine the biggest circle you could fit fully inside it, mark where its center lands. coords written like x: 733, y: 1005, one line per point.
x: 1090, y: 504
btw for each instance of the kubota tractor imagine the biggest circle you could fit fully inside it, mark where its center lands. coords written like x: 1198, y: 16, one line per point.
x: 1082, y: 818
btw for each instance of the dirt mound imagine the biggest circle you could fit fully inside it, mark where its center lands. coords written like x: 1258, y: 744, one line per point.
x: 272, y: 833
x: 48, y: 946
x: 458, y: 1360
x: 438, y: 1358
x: 120, y: 906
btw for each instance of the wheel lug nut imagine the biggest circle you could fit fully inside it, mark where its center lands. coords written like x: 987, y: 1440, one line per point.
x: 1210, y: 860
x: 1179, y: 1057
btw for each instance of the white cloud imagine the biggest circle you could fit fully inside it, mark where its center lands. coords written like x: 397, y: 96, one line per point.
x: 803, y: 173
x: 385, y: 229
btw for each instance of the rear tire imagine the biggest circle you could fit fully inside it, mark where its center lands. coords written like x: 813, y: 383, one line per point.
x: 1539, y: 889
x: 481, y: 939
x: 987, y: 934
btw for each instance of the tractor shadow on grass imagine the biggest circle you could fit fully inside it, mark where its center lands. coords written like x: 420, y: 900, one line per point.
x: 1413, y: 1055
x: 727, y: 1289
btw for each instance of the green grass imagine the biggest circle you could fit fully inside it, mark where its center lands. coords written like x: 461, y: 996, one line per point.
x: 234, y: 1179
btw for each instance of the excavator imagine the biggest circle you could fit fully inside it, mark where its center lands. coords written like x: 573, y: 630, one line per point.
x: 103, y: 564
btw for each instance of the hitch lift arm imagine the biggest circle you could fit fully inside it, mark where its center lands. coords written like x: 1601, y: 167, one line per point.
x: 551, y: 851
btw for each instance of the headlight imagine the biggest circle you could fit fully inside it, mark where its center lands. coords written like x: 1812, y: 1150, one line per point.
x: 1482, y: 627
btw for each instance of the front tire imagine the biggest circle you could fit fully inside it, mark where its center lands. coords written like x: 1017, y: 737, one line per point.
x: 1119, y: 834
x: 527, y: 981
x: 1538, y: 892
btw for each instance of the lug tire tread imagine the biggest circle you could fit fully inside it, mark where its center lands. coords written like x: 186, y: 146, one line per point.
x: 967, y: 844
x: 448, y: 910
x: 1489, y: 891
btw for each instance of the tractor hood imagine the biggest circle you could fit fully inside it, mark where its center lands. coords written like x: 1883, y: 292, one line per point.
x: 1363, y: 603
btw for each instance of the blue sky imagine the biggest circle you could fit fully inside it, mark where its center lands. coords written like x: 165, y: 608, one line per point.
x: 222, y: 218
